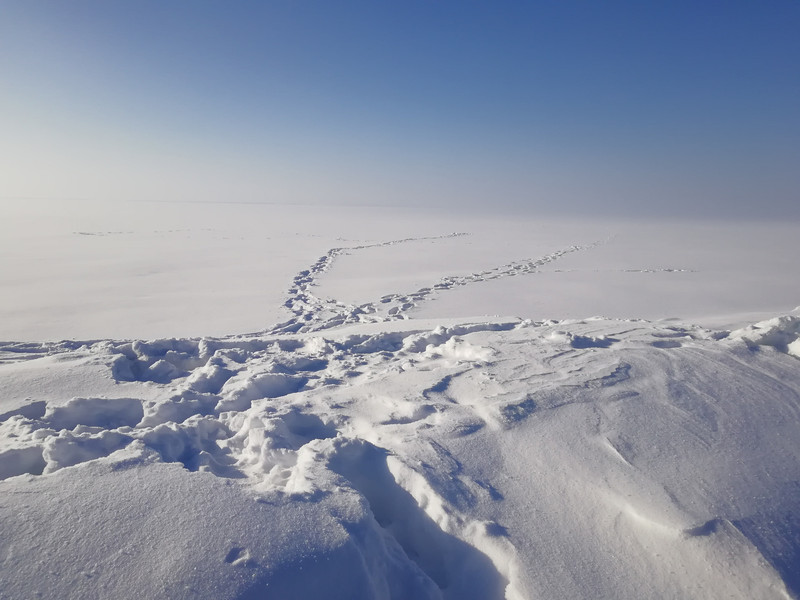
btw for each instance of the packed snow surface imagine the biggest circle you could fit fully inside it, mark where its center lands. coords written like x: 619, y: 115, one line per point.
x: 375, y: 438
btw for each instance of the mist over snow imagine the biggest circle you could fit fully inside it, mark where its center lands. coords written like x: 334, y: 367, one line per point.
x: 399, y: 300
x: 242, y: 401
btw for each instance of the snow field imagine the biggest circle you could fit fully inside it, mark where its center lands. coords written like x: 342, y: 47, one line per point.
x: 606, y: 451
x: 357, y: 448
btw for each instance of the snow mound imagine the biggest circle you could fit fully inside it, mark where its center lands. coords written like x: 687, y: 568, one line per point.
x: 781, y: 333
x: 395, y: 461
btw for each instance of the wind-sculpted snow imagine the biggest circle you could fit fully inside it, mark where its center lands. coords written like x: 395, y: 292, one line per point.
x: 353, y: 452
x: 782, y: 333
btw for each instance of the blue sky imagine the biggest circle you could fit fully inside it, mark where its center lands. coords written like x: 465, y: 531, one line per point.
x: 636, y: 108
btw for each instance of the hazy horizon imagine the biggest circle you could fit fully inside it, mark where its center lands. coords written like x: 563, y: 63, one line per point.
x: 684, y: 109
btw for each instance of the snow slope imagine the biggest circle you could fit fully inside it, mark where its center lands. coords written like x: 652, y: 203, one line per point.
x: 360, y: 447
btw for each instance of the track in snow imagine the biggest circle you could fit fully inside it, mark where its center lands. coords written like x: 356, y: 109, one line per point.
x: 389, y: 411
x: 314, y: 314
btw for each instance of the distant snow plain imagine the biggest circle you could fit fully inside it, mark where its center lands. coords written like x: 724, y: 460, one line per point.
x: 244, y: 401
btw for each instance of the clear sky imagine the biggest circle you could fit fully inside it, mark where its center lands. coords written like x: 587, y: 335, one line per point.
x: 621, y: 107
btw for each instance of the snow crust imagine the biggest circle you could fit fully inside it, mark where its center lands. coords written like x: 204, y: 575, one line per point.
x: 361, y: 445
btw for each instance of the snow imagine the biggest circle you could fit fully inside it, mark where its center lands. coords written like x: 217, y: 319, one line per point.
x: 364, y: 403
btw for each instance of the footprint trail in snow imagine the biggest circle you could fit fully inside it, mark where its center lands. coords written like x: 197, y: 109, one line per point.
x: 313, y: 314
x: 353, y: 452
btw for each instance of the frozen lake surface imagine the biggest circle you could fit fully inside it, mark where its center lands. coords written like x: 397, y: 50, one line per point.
x: 252, y: 401
x: 81, y: 270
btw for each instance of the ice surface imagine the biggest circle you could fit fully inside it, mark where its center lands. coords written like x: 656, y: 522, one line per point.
x: 376, y: 435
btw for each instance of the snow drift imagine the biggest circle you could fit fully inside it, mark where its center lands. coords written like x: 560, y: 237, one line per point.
x: 354, y: 450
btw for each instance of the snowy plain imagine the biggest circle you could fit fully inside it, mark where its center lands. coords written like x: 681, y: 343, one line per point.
x: 261, y: 401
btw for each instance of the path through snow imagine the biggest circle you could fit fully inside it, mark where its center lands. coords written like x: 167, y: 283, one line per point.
x: 353, y: 452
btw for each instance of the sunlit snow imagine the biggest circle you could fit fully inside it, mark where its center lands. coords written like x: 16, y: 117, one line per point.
x: 252, y: 401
